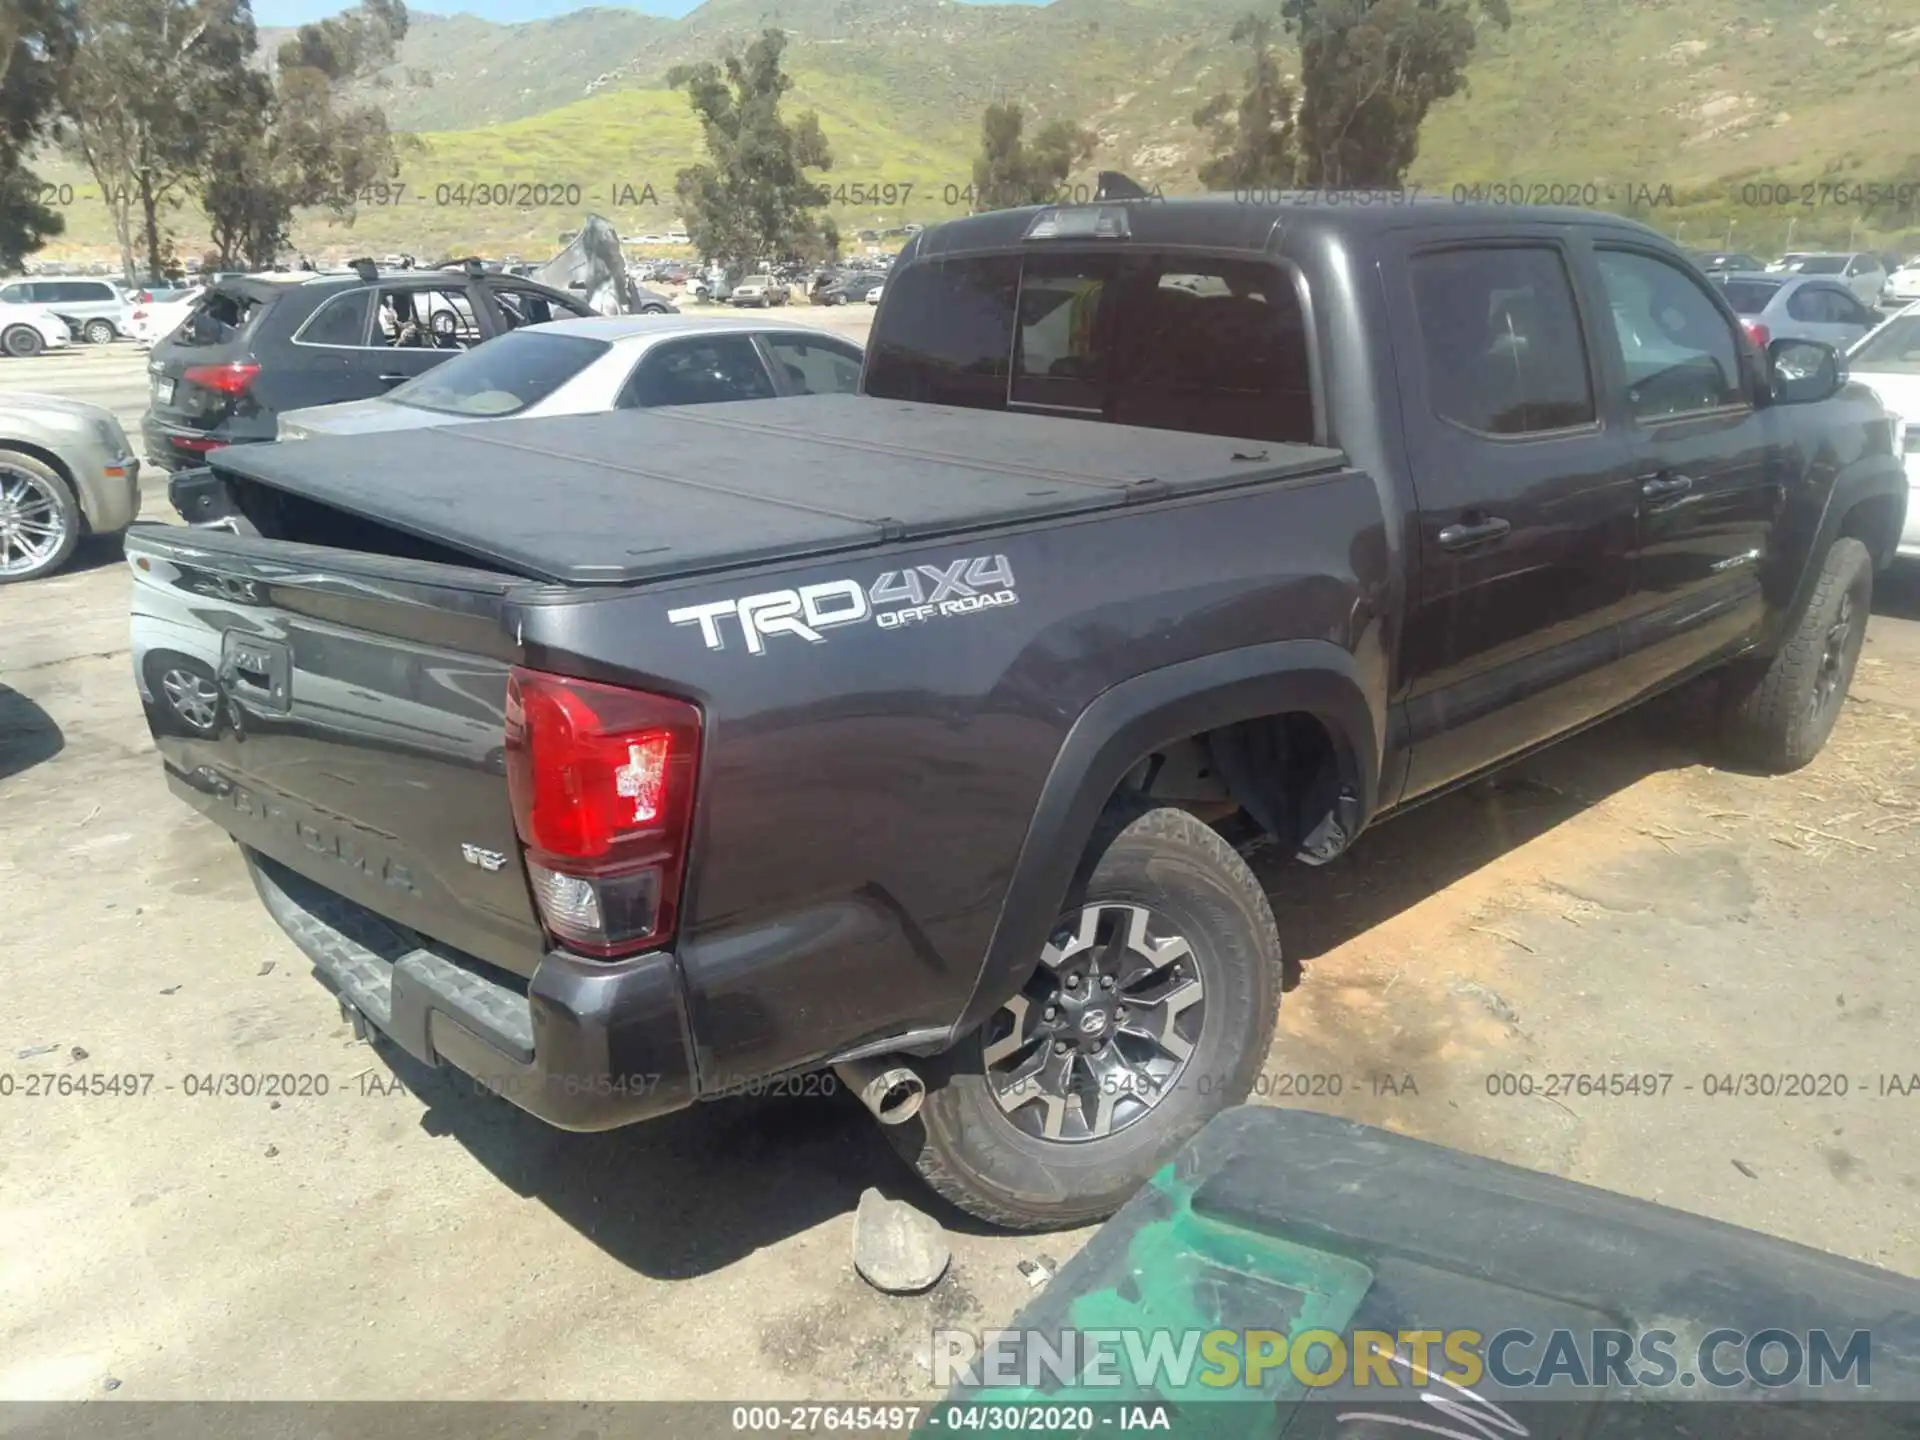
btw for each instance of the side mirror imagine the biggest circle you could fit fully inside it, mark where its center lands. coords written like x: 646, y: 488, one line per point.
x: 1803, y: 371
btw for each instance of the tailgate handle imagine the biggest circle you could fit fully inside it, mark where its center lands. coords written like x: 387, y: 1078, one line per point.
x: 390, y: 379
x: 260, y: 669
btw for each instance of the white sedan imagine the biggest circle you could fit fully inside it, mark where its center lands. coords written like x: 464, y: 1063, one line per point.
x: 26, y: 330
x: 585, y: 366
x: 1887, y: 362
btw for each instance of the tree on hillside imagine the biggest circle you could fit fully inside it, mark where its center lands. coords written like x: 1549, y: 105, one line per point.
x: 1252, y: 136
x: 136, y: 97
x: 1370, y: 70
x: 752, y: 199
x: 289, y: 141
x: 1009, y: 171
x: 37, y: 43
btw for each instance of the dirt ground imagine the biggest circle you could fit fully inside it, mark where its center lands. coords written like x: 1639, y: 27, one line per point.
x: 1617, y: 905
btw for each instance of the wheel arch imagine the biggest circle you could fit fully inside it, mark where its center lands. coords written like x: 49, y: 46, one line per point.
x: 1867, y: 502
x: 1131, y: 722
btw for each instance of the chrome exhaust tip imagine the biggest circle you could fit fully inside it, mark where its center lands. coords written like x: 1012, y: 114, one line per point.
x: 891, y: 1090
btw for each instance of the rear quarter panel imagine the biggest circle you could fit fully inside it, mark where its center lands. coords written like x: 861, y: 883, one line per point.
x: 863, y: 798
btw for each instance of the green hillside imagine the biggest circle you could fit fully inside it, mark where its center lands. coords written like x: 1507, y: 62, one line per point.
x: 1706, y: 99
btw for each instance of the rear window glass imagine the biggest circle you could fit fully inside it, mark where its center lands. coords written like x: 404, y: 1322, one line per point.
x: 1749, y: 297
x: 1193, y: 343
x: 945, y: 334
x: 501, y: 378
x: 1213, y: 346
x: 218, y: 317
x: 1894, y: 346
x: 1824, y: 265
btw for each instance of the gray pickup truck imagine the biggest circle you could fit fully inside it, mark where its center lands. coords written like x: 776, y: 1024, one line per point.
x: 624, y: 761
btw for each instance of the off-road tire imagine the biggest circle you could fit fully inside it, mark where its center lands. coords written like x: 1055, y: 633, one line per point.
x: 1179, y: 868
x: 1770, y: 719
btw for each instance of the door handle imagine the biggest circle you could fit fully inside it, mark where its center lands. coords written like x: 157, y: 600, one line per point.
x: 1664, y: 485
x: 390, y: 379
x: 1476, y: 532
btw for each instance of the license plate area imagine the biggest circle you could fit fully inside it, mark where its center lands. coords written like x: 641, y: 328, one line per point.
x: 257, y: 672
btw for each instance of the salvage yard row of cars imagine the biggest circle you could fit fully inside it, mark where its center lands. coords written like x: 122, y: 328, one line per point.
x: 1127, y: 542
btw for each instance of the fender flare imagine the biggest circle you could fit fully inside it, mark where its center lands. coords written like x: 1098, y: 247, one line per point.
x: 1128, y: 722
x: 1870, y: 478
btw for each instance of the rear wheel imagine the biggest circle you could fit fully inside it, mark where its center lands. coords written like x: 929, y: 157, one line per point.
x: 1151, y: 1009
x: 99, y: 332
x: 23, y: 342
x: 1779, y: 716
x: 39, y: 518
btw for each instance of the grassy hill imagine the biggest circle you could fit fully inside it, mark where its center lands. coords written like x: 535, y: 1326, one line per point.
x: 1706, y: 98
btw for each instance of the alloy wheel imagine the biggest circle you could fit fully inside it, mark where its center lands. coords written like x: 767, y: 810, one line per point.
x: 1836, y: 658
x: 1102, y: 1032
x: 33, y: 524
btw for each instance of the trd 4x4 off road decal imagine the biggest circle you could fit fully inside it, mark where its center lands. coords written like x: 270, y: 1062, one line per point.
x: 895, y: 599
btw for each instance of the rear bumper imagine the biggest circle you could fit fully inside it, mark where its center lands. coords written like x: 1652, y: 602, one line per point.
x: 583, y: 1046
x: 174, y: 447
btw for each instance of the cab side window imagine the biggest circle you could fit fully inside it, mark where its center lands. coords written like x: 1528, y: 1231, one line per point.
x: 1501, y: 336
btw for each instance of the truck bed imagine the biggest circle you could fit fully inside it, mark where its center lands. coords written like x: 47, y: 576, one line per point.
x: 643, y: 494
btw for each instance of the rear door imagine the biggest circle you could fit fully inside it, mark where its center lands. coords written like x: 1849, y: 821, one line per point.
x: 1526, y: 499
x: 1708, y: 465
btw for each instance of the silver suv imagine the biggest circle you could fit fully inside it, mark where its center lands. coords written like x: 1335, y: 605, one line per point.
x: 97, y: 311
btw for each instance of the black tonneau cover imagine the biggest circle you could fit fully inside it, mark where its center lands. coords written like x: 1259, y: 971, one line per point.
x: 643, y: 494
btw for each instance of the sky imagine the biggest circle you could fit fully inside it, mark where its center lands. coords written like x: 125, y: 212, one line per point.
x: 299, y: 12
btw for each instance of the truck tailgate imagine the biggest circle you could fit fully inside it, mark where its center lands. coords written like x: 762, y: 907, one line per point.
x: 343, y: 715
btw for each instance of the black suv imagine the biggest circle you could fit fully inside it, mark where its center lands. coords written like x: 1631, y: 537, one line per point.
x: 256, y: 346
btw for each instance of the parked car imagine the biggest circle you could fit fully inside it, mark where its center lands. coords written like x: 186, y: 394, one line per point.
x: 66, y: 471
x: 1788, y: 262
x: 1888, y: 363
x: 253, y: 347
x: 1718, y: 261
x: 1859, y: 271
x: 759, y: 291
x: 1799, y: 307
x: 873, y: 295
x: 910, y: 733
x: 158, y: 318
x: 95, y: 310
x: 27, y: 330
x: 1903, y: 285
x: 846, y: 289
x: 583, y: 367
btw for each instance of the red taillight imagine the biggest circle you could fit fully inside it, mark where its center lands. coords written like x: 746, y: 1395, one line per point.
x: 229, y: 379
x: 601, y: 779
x: 1757, y: 333
x: 195, y: 445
